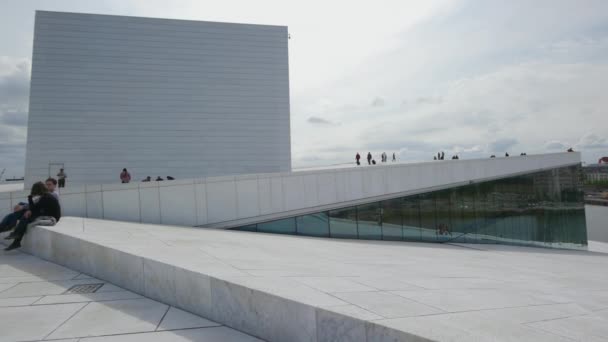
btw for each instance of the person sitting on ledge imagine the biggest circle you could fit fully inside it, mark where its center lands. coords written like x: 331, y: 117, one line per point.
x: 43, y: 209
x: 10, y: 220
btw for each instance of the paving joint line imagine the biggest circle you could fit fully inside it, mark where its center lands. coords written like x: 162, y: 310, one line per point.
x: 8, y: 288
x: 94, y: 301
x: 162, y: 318
x: 139, y: 332
x: 556, y: 318
x: 550, y: 332
x: 69, y: 318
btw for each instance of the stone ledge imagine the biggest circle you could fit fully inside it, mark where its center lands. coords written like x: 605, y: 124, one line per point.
x: 255, y: 312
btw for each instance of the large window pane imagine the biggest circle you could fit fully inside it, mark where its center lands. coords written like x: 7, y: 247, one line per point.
x: 392, y: 220
x: 343, y: 223
x: 313, y: 224
x: 458, y: 228
x: 248, y: 228
x: 469, y: 214
x: 427, y: 217
x: 369, y: 218
x: 443, y: 224
x: 486, y: 224
x: 285, y: 226
x: 542, y: 208
x: 411, y: 218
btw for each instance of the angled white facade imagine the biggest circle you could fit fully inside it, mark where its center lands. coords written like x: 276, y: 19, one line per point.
x: 159, y: 97
x: 230, y: 201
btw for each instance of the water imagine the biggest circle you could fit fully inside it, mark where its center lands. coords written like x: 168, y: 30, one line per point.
x: 597, y: 223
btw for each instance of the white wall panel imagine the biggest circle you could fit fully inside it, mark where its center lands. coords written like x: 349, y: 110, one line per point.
x: 326, y: 188
x: 221, y: 201
x: 342, y: 186
x: 264, y: 196
x: 94, y: 199
x: 247, y: 197
x: 73, y: 204
x: 158, y: 97
x: 309, y: 192
x: 356, y: 183
x: 122, y: 205
x: 200, y: 190
x: 277, y: 200
x: 149, y: 197
x: 294, y: 192
x: 178, y: 203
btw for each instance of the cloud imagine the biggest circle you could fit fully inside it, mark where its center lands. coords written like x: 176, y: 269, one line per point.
x: 429, y: 100
x: 555, y: 145
x: 14, y: 96
x: 592, y: 141
x: 378, y: 102
x: 502, y: 145
x: 14, y: 80
x: 315, y: 120
x: 13, y: 118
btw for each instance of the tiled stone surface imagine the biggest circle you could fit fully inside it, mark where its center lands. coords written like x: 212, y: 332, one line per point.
x: 387, y: 304
x: 305, y: 289
x: 114, y: 317
x: 28, y: 323
x: 213, y: 334
x: 38, y: 309
x: 179, y: 319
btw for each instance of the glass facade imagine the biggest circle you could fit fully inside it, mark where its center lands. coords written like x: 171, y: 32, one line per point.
x: 538, y: 209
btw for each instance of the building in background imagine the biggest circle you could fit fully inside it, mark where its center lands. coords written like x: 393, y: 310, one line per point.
x: 159, y: 97
x: 596, y: 172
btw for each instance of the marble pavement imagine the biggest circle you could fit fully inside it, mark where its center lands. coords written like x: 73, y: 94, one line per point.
x: 36, y: 305
x: 290, y: 288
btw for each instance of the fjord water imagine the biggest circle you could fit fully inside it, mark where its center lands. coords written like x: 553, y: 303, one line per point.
x: 597, y: 222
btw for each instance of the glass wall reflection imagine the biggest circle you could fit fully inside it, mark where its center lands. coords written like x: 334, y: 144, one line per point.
x: 540, y: 209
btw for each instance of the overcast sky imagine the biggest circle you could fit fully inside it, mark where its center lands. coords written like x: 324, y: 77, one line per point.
x: 412, y: 77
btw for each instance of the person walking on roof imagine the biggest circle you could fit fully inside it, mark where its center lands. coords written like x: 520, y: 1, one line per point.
x: 61, y: 176
x: 125, y: 176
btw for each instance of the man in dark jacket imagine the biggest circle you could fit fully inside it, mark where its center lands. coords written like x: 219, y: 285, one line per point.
x: 43, y: 206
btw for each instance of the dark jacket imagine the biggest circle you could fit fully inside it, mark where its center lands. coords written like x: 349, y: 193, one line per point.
x: 47, y: 205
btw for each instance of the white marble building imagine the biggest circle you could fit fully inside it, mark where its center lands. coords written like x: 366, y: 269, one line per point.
x: 156, y: 96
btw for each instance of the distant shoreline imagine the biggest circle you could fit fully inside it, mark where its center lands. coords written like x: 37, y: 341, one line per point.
x: 596, y: 201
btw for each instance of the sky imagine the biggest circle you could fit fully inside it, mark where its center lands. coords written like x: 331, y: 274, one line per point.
x: 472, y: 78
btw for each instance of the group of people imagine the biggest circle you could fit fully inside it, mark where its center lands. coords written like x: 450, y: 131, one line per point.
x: 441, y: 156
x: 125, y: 177
x: 42, y: 208
x: 371, y: 160
x: 158, y: 179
